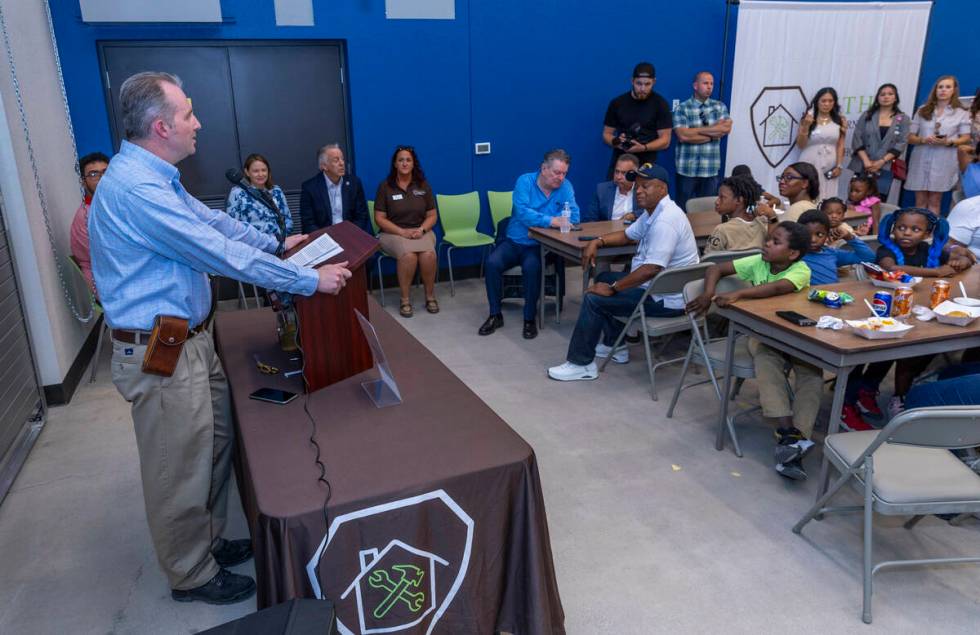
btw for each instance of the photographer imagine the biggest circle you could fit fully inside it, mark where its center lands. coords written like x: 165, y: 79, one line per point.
x: 638, y: 121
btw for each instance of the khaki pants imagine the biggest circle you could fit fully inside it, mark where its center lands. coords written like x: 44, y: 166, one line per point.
x: 185, y: 440
x: 773, y: 393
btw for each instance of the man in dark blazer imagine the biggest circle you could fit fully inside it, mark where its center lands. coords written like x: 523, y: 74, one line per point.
x: 333, y: 195
x: 617, y: 198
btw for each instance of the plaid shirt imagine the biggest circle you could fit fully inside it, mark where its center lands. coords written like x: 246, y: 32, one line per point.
x: 699, y: 159
x: 153, y: 245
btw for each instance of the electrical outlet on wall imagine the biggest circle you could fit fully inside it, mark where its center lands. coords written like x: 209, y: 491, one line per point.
x: 483, y: 147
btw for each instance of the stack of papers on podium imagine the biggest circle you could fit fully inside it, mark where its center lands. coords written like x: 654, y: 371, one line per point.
x: 323, y: 248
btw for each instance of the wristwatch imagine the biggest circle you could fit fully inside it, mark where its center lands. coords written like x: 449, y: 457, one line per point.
x: 613, y: 288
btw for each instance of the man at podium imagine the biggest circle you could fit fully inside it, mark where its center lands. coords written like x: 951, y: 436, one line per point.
x: 153, y: 246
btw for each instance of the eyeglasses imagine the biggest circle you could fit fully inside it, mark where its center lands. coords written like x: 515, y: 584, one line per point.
x: 790, y: 177
x: 94, y: 174
x: 704, y: 118
x: 409, y: 148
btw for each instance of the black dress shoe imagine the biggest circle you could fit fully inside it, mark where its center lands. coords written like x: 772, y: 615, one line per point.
x: 228, y: 553
x: 224, y: 588
x: 493, y: 323
x: 530, y: 329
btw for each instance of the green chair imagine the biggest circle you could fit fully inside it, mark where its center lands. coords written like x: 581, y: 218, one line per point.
x: 501, y: 205
x: 381, y: 252
x: 459, y: 215
x: 96, y: 312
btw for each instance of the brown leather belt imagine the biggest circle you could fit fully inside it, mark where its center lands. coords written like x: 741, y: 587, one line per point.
x: 143, y: 337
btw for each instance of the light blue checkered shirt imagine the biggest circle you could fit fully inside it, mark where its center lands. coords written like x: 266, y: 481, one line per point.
x: 153, y: 246
x: 699, y: 159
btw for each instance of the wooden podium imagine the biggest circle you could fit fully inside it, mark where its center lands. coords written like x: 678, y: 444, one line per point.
x: 334, y: 347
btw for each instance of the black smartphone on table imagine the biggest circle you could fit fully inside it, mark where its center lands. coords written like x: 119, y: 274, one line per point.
x: 273, y: 395
x: 796, y: 318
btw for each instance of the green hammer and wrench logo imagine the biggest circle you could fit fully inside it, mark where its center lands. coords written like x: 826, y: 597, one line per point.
x: 398, y: 590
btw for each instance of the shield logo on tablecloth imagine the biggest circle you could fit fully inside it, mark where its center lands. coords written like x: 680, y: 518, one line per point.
x: 775, y: 117
x: 386, y: 575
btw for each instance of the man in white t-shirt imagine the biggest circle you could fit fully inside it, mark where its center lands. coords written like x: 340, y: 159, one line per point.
x: 665, y: 241
x: 964, y: 225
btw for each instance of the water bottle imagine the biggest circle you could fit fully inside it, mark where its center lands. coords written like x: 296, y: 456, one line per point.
x: 566, y: 218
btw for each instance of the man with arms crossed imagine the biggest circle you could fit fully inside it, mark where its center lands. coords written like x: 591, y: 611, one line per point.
x: 666, y: 241
x: 153, y: 246
x: 700, y: 123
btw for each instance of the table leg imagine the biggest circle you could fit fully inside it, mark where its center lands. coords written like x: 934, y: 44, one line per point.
x: 544, y: 254
x: 586, y: 271
x: 723, y: 423
x: 833, y: 425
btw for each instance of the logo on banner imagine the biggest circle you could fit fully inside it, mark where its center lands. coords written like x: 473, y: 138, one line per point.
x: 775, y: 121
x: 385, y: 584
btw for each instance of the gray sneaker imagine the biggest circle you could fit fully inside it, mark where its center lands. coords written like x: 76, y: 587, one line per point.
x: 792, y: 470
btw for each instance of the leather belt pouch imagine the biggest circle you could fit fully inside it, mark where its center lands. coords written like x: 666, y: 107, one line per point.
x: 166, y: 342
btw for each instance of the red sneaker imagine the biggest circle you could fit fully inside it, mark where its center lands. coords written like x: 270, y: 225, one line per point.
x: 867, y: 403
x: 852, y: 420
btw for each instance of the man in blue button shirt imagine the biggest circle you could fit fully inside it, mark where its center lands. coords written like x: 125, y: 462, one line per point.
x: 539, y: 198
x: 153, y: 246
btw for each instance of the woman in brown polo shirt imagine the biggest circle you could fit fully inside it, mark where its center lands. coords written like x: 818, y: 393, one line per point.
x: 405, y: 211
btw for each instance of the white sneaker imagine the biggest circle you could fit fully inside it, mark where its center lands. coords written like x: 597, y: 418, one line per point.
x: 896, y: 405
x: 573, y: 372
x: 622, y: 356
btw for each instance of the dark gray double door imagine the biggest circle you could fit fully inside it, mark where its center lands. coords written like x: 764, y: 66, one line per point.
x: 279, y: 99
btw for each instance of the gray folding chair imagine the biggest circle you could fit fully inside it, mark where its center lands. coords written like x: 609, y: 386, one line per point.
x: 710, y: 353
x: 665, y: 282
x: 728, y: 256
x: 887, y: 208
x: 905, y: 469
x: 700, y: 204
x: 872, y: 242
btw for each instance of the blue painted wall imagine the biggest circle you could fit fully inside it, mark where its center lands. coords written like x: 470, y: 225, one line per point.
x: 524, y: 76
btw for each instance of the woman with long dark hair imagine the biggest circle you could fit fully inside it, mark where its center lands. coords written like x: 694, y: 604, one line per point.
x: 881, y: 135
x: 821, y: 139
x: 938, y: 127
x: 405, y: 211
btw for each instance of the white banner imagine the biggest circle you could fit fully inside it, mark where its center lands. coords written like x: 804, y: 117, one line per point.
x: 786, y: 51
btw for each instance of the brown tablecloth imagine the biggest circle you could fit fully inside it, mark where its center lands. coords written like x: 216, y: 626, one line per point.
x: 436, y: 512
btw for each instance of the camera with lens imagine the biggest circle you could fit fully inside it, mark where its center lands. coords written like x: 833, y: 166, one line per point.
x: 630, y: 136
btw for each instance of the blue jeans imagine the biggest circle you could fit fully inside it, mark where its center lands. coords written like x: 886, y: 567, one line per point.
x: 957, y: 386
x: 596, y: 318
x: 689, y: 187
x: 509, y: 254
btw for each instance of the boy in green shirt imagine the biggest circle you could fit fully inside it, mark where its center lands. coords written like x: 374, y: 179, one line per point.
x: 777, y: 271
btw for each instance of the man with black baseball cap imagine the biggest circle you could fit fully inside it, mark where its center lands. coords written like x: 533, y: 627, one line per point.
x: 638, y: 121
x: 664, y: 240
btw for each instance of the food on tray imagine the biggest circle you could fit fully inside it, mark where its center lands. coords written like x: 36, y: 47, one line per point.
x: 958, y: 314
x: 877, y: 273
x: 876, y: 324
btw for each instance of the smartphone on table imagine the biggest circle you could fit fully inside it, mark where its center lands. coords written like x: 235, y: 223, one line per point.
x: 273, y: 395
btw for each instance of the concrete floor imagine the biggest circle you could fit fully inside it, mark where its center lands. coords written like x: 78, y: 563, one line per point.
x: 652, y: 529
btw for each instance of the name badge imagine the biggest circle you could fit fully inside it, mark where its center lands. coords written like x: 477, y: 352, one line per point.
x: 397, y: 197
x: 418, y: 192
